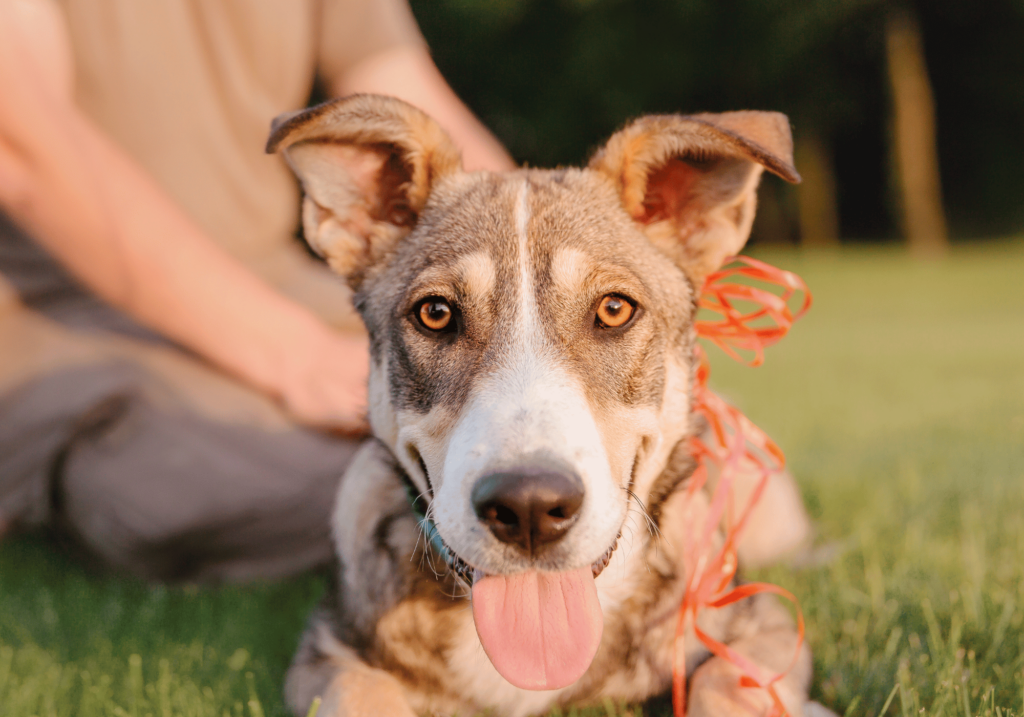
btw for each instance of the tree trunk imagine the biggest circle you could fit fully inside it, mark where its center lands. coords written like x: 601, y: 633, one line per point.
x: 915, y: 155
x: 816, y: 195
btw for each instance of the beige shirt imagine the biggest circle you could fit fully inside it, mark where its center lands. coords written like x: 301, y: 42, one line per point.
x: 189, y: 87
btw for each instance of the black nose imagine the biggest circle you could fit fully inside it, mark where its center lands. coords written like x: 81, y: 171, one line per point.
x: 528, y: 508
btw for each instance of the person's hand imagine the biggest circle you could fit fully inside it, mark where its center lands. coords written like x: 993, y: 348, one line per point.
x: 323, y: 380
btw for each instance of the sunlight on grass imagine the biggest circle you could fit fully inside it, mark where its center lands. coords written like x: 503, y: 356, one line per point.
x: 900, y: 403
x: 33, y: 682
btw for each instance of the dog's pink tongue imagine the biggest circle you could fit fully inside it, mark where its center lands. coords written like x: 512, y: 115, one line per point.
x: 540, y: 630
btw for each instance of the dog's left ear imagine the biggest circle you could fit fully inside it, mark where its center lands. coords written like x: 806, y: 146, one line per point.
x: 367, y: 164
x: 691, y: 181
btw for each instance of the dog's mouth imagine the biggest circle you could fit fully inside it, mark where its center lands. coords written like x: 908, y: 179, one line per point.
x: 469, y: 575
x: 540, y: 629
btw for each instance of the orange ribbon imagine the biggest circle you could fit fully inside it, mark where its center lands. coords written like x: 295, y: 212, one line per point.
x: 736, y: 329
x: 733, y: 438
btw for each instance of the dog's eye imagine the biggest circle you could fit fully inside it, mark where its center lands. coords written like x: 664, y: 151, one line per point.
x: 434, y: 313
x: 614, y: 311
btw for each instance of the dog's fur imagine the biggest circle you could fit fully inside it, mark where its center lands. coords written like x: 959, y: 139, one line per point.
x: 526, y: 376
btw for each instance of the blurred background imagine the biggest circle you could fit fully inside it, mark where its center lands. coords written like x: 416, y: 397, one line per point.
x: 908, y: 116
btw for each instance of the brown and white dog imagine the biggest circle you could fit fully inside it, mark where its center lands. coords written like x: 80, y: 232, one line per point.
x: 511, y: 539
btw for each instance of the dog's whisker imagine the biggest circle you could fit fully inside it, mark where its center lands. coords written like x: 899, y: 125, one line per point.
x: 421, y: 534
x: 629, y: 538
x: 632, y: 520
x: 428, y: 531
x: 435, y: 549
x: 630, y: 523
x: 416, y: 548
x: 652, y: 527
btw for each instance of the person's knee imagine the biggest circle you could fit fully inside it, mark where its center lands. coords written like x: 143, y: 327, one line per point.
x: 170, y: 495
x: 39, y: 419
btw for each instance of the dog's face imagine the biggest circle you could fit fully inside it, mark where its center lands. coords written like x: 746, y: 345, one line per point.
x: 531, y: 363
x: 531, y: 332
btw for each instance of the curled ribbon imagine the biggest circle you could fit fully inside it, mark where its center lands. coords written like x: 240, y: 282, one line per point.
x: 736, y: 330
x: 733, y: 439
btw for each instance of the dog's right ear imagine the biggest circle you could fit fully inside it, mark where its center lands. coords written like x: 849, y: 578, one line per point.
x: 367, y: 164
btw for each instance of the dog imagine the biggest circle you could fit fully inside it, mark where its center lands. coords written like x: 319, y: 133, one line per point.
x: 510, y: 540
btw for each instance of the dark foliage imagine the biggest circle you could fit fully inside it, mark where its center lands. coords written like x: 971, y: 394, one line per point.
x: 554, y: 77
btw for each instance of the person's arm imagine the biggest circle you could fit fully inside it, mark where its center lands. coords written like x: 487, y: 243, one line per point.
x: 103, y: 217
x: 409, y: 73
x: 376, y: 47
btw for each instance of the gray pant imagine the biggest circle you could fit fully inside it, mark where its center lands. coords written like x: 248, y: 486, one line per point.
x: 150, y: 459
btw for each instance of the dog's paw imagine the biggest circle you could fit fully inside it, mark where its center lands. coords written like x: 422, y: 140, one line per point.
x: 365, y: 692
x: 715, y: 691
x: 816, y: 709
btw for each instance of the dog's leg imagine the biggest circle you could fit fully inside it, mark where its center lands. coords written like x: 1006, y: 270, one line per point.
x: 326, y: 668
x: 779, y: 525
x: 766, y: 637
x: 384, y: 610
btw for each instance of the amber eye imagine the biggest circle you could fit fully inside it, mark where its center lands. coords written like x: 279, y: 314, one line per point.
x: 614, y: 311
x: 435, y: 313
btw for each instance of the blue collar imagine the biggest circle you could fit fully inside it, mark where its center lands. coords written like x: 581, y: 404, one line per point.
x: 419, y: 507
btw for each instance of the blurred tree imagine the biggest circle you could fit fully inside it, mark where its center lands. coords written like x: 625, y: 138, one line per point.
x: 819, y: 205
x: 914, y: 149
x: 555, y: 77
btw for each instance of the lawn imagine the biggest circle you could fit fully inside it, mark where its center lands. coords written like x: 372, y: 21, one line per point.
x: 900, y: 403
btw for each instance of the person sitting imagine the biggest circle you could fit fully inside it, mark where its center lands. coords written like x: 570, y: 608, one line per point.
x: 169, y: 353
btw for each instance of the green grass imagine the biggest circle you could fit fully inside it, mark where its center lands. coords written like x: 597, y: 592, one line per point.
x: 900, y: 403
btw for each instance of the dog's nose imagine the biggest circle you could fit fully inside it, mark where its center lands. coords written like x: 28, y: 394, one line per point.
x: 528, y: 508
